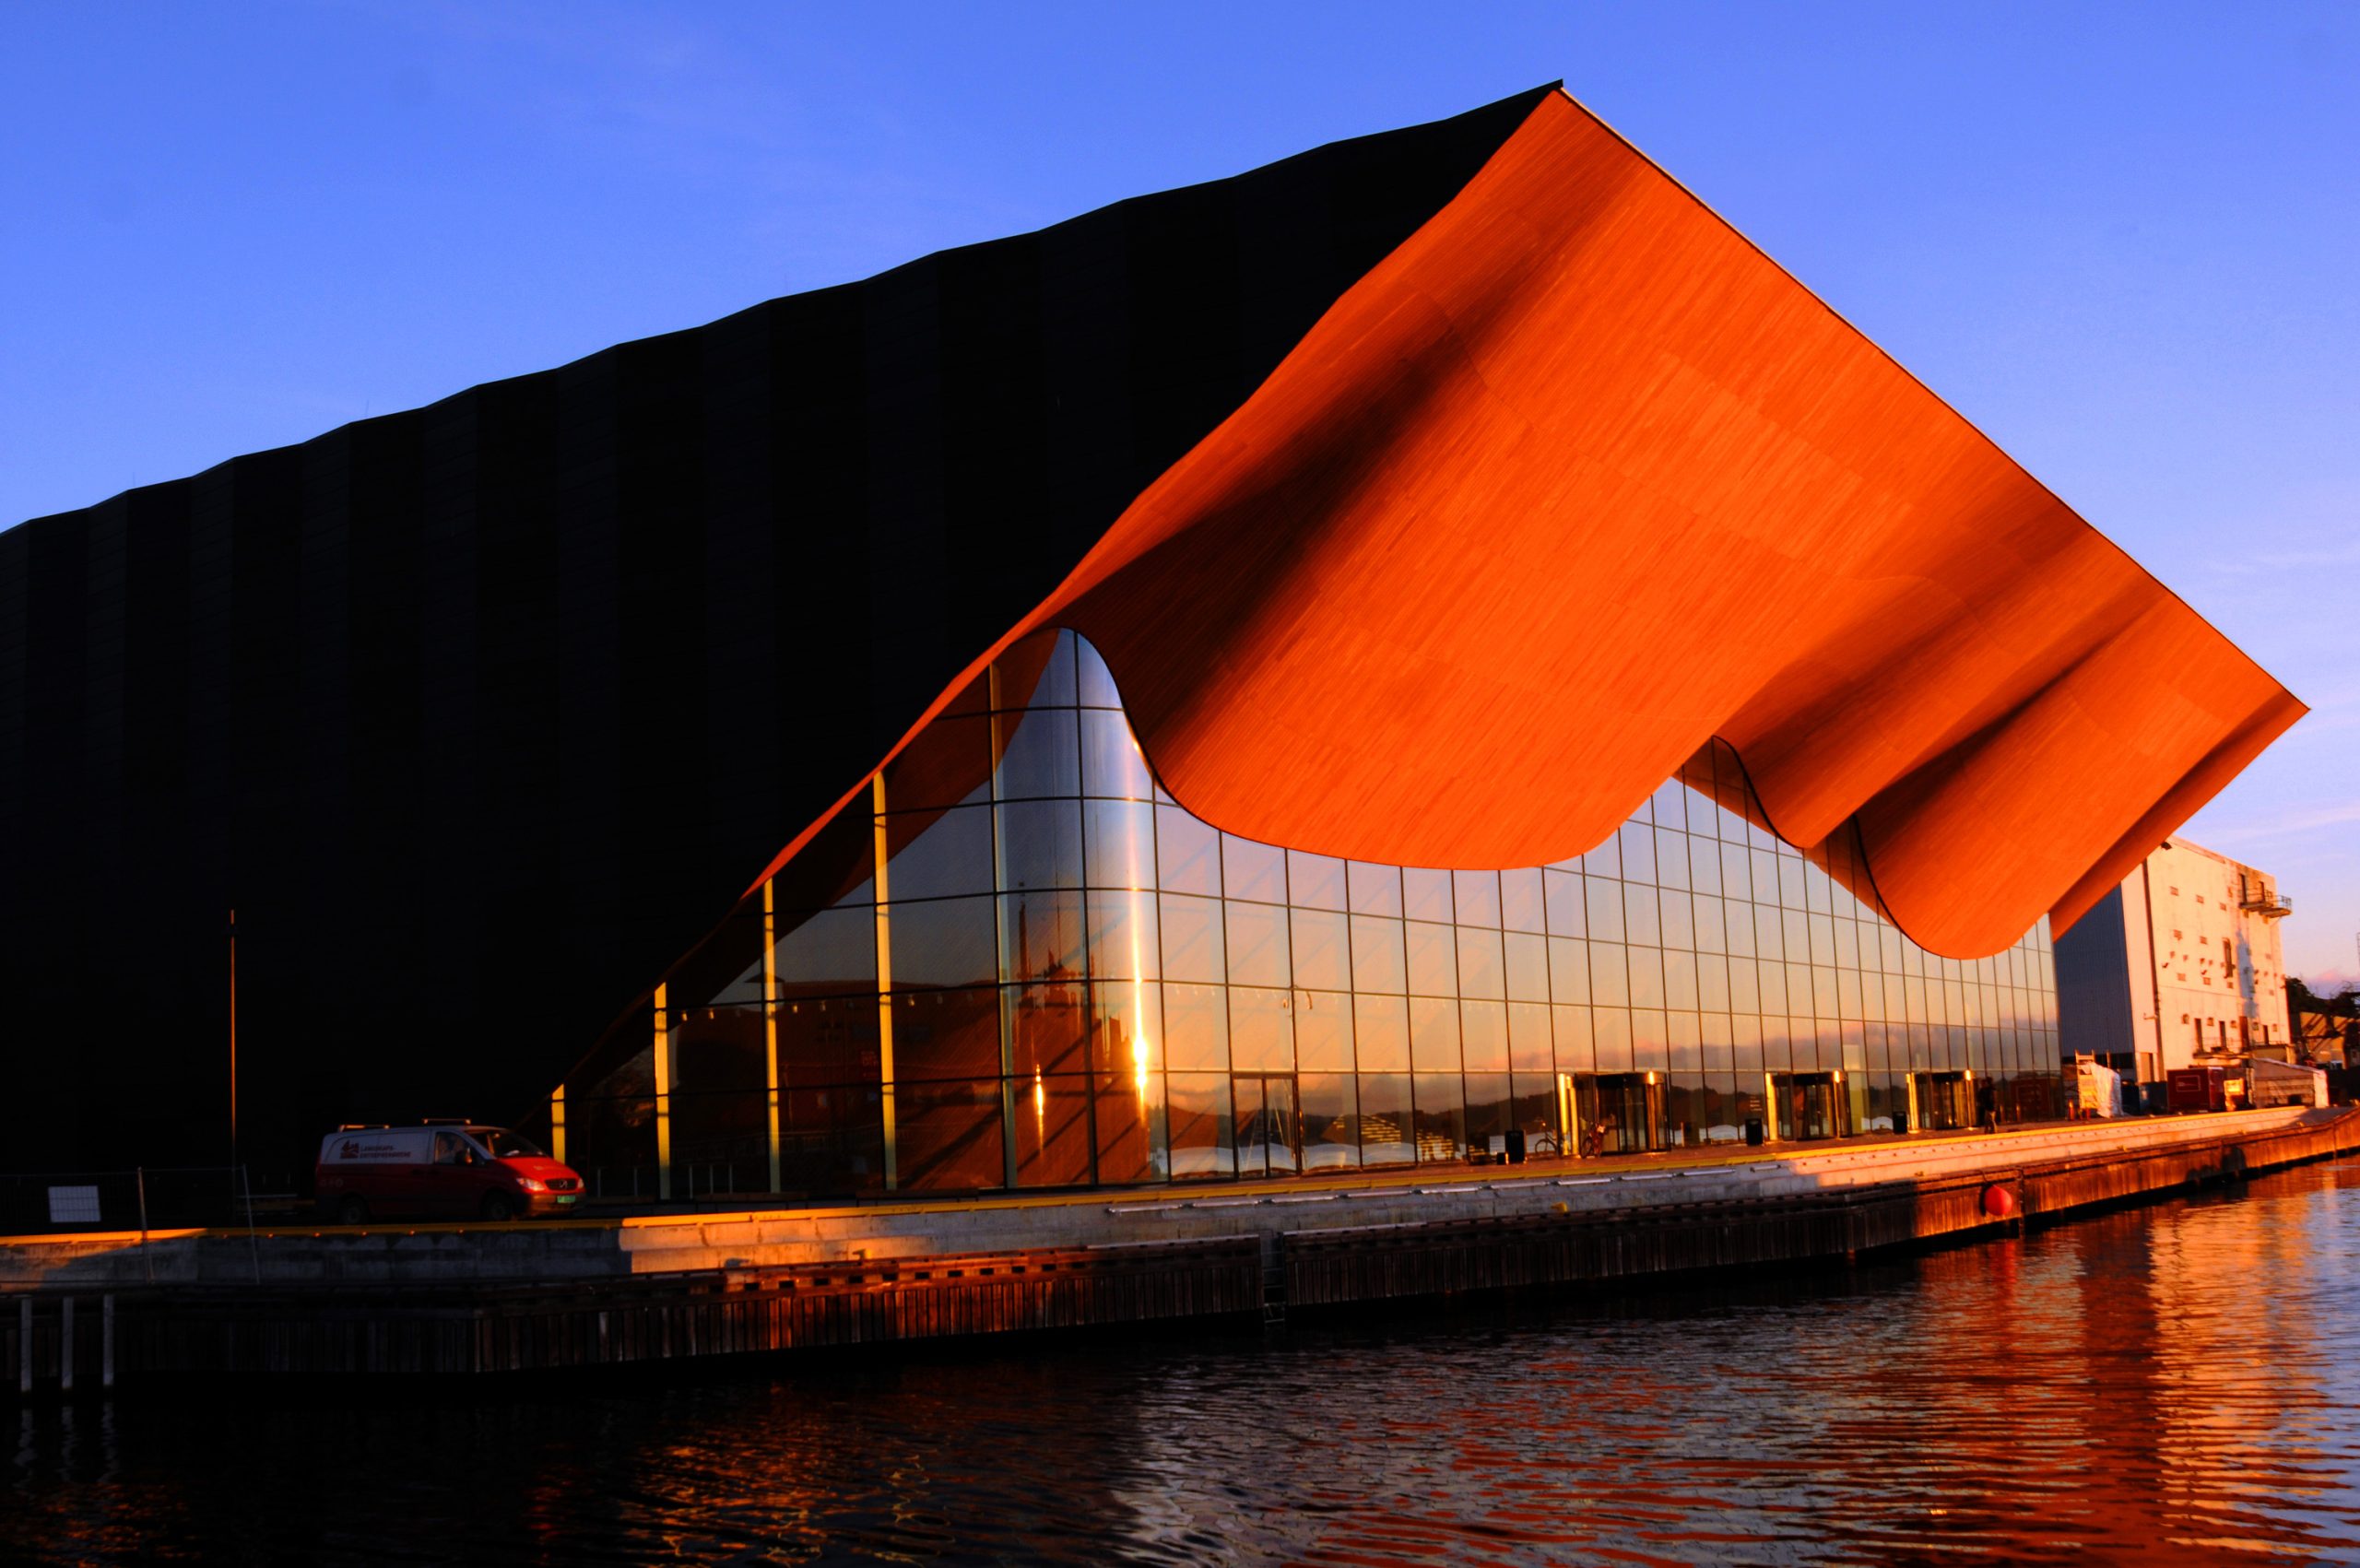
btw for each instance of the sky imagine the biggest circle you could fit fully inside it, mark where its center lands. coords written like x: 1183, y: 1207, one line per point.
x: 2123, y: 240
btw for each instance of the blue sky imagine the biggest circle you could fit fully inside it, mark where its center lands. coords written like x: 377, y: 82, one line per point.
x: 2123, y: 240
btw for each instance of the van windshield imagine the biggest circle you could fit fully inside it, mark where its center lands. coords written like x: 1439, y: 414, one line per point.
x: 501, y: 1144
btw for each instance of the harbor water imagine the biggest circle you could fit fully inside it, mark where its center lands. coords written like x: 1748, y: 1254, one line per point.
x: 2175, y: 1383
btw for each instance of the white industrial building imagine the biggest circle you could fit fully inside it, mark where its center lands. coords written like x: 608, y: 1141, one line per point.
x: 2180, y: 966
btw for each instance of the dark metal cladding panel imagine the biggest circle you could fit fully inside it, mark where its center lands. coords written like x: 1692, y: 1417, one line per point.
x: 2093, y: 982
x: 481, y: 715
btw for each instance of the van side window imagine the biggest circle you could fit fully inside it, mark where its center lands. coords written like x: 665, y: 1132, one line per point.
x: 448, y: 1149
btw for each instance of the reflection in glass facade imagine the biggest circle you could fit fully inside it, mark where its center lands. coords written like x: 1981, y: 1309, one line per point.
x: 1025, y: 966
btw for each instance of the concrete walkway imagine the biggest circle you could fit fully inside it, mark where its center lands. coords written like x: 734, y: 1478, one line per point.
x: 548, y: 1252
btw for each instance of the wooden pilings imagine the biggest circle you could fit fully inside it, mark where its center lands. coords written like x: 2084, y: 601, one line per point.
x: 665, y: 1317
x: 52, y: 1342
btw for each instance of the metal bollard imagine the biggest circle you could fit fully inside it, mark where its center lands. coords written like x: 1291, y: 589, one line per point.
x: 65, y: 1345
x: 106, y: 1341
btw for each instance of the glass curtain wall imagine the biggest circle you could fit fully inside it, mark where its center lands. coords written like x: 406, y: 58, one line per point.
x: 1019, y: 964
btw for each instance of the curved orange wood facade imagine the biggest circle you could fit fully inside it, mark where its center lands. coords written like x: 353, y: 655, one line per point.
x: 1578, y: 480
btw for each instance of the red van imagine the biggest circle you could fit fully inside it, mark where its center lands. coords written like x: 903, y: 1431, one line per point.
x: 442, y: 1170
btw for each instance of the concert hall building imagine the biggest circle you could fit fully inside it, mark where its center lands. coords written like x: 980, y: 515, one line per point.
x: 1434, y: 649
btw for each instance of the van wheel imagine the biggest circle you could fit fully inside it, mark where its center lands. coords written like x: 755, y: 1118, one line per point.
x: 352, y: 1210
x: 498, y: 1208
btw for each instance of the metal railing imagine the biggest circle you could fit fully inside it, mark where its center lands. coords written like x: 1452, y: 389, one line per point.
x: 142, y: 1199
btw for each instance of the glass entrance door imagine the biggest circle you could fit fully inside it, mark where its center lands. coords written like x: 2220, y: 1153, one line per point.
x: 1809, y: 1105
x: 1269, y: 1133
x: 1945, y: 1102
x: 1620, y: 1113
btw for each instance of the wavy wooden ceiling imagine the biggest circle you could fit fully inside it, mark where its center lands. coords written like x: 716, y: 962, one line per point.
x: 1575, y: 480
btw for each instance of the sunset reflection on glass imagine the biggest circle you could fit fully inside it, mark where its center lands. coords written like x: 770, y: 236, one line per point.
x: 1255, y: 1011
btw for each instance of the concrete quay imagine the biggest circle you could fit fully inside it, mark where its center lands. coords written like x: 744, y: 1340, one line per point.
x: 467, y: 1298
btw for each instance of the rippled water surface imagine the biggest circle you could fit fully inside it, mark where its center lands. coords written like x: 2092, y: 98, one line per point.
x: 2167, y: 1385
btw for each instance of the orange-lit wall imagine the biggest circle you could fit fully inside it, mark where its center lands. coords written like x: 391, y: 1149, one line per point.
x: 1576, y: 479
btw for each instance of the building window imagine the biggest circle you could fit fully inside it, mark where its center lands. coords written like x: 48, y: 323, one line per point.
x: 1089, y: 985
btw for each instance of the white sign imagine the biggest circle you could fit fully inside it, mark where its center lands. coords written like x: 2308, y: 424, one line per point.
x: 73, y: 1206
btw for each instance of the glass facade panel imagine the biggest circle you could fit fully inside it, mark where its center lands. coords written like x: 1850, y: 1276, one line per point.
x: 1122, y: 927
x: 1097, y: 682
x: 1040, y: 844
x: 1381, y: 1033
x: 826, y: 1041
x: 1041, y: 937
x: 948, y: 1135
x: 1321, y: 948
x: 1111, y: 762
x: 1375, y: 890
x: 1489, y: 1116
x: 1127, y: 1028
x: 1261, y: 1031
x: 1128, y: 1119
x: 1314, y: 882
x: 1250, y: 870
x: 1257, y: 945
x: 1522, y: 906
x: 1323, y: 1031
x: 1475, y: 898
x: 1039, y: 756
x: 1052, y: 1131
x: 1483, y: 1035
x: 942, y: 942
x: 1426, y: 895
x: 1087, y: 984
x: 1118, y: 847
x: 1386, y: 1118
x: 1440, y: 1124
x: 1577, y: 1049
x: 1195, y: 1028
x: 939, y: 854
x: 1377, y: 960
x: 947, y: 1033
x: 1330, y: 1121
x: 1432, y: 957
x: 1481, y: 968
x: 1564, y: 903
x: 1037, y: 672
x: 1433, y: 1034
x: 1192, y: 938
x: 1202, y: 1127
x: 1531, y: 1048
x: 1185, y: 858
x: 1525, y: 966
x: 1048, y: 1030
x: 828, y: 953
x: 1603, y: 908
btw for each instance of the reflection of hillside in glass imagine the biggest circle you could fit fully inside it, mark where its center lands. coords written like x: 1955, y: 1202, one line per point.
x: 1061, y: 976
x: 2164, y: 1385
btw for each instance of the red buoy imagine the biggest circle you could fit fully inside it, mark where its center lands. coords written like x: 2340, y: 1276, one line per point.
x: 1997, y: 1201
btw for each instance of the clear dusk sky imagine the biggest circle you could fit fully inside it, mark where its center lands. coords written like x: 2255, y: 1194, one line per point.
x: 2124, y: 241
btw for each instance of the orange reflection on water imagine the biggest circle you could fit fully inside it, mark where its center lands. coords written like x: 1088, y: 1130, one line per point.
x: 2157, y: 1385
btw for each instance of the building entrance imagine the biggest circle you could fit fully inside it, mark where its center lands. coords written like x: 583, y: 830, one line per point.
x: 1945, y: 1101
x: 1270, y: 1132
x: 1809, y: 1105
x: 1619, y: 1113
